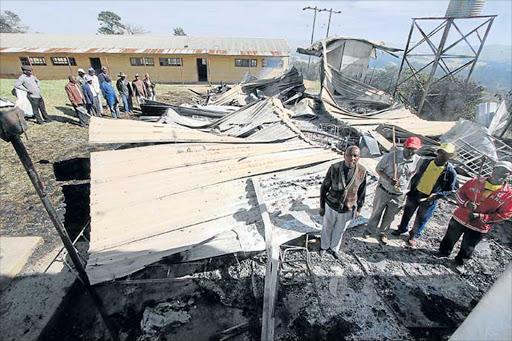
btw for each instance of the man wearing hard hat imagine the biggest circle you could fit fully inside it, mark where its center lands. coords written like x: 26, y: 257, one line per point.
x: 482, y: 203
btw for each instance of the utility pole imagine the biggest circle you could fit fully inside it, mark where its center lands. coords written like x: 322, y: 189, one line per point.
x: 312, y: 30
x: 331, y: 11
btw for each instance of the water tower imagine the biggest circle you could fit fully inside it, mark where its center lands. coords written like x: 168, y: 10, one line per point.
x: 443, y: 48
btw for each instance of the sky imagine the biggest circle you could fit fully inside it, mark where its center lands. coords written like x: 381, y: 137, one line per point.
x: 387, y: 21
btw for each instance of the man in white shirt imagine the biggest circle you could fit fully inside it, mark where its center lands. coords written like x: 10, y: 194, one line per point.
x: 97, y: 91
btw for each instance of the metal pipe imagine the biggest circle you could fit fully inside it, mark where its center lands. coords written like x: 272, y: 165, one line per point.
x: 479, y: 50
x: 404, y: 58
x: 25, y: 159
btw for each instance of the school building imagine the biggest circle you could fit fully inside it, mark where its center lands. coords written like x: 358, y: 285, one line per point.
x: 168, y: 59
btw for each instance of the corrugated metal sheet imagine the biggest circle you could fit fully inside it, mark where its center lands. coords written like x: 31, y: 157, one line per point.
x: 142, y: 44
x: 317, y: 48
x: 151, y: 202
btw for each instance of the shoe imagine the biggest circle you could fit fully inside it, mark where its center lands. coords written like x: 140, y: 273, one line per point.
x: 412, y: 242
x: 384, y: 239
x: 40, y: 122
x: 441, y: 255
x: 459, y: 268
x: 336, y: 254
x: 367, y: 234
x: 397, y: 232
x: 321, y: 252
x: 49, y: 120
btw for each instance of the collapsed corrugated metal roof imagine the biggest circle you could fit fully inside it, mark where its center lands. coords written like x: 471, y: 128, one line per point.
x: 317, y: 48
x: 134, y: 44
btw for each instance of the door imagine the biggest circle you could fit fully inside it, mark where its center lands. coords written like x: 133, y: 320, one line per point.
x: 202, y: 70
x: 96, y: 64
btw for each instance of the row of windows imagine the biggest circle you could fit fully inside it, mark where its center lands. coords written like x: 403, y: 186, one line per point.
x: 148, y: 61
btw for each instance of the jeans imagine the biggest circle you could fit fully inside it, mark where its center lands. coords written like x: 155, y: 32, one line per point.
x: 127, y: 103
x: 470, y: 240
x: 387, y: 206
x: 423, y: 215
x: 37, y: 104
x: 114, y: 111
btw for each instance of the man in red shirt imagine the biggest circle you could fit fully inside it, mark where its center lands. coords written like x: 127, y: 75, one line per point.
x: 77, y: 99
x: 476, y: 214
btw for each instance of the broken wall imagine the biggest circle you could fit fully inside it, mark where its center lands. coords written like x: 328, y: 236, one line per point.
x: 351, y: 57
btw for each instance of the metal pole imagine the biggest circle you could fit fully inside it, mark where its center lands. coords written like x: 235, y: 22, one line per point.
x: 403, y: 58
x: 479, y: 50
x: 434, y: 65
x: 312, y: 30
x: 41, y: 191
x: 329, y: 24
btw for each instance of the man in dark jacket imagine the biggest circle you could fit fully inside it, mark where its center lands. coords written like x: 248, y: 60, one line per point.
x: 341, y: 198
x: 89, y: 94
x: 435, y: 178
x: 125, y: 90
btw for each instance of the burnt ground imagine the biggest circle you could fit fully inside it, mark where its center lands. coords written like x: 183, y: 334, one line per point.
x: 374, y: 292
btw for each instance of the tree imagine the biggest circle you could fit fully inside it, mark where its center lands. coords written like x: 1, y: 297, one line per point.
x: 178, y: 31
x: 110, y: 23
x: 134, y: 29
x: 10, y: 22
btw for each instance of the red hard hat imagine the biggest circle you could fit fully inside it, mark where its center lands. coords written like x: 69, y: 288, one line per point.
x: 413, y: 142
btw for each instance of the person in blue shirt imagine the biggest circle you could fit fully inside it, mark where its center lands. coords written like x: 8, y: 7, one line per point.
x: 110, y: 96
x: 89, y: 94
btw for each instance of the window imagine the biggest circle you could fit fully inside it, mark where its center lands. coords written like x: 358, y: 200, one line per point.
x: 139, y: 61
x: 170, y: 62
x: 246, y: 62
x: 33, y: 61
x: 63, y: 61
x: 276, y: 63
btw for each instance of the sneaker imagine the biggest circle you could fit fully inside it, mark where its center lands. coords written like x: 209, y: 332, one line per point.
x: 336, y: 254
x: 460, y: 268
x: 384, y: 239
x: 367, y: 234
x: 321, y: 252
x: 412, y: 242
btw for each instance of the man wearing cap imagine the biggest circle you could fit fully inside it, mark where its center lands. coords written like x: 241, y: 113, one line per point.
x: 435, y: 178
x: 125, y: 90
x: 140, y: 89
x: 80, y: 78
x: 476, y: 214
x: 395, y: 171
x: 97, y: 91
x: 342, y: 196
x: 29, y: 83
x: 90, y: 94
x: 77, y: 99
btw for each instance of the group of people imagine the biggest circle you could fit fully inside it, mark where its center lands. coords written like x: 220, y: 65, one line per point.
x: 84, y: 91
x: 414, y: 184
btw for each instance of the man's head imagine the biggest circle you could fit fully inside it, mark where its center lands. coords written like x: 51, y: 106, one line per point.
x: 27, y: 70
x: 445, y: 152
x: 146, y: 75
x: 104, y: 69
x: 352, y: 155
x: 122, y: 75
x: 81, y: 72
x: 412, y: 145
x: 91, y: 71
x: 136, y: 76
x: 107, y: 78
x: 500, y: 172
x: 72, y: 79
x: 88, y: 79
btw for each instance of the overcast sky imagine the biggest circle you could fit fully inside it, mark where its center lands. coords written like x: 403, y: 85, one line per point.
x: 387, y: 21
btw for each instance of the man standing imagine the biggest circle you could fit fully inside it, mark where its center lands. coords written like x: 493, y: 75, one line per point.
x: 150, y: 87
x: 125, y: 90
x: 110, y: 96
x: 103, y: 73
x: 341, y: 198
x: 395, y: 171
x: 434, y: 179
x: 80, y: 78
x: 97, y: 91
x: 89, y: 94
x: 30, y: 84
x: 139, y: 89
x: 482, y: 202
x: 77, y: 100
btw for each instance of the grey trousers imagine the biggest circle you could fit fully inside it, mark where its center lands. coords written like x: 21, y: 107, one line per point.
x: 334, y: 225
x: 385, y: 206
x: 98, y: 105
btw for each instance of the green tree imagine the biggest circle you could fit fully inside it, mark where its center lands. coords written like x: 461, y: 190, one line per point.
x: 10, y: 22
x: 178, y: 31
x: 110, y: 23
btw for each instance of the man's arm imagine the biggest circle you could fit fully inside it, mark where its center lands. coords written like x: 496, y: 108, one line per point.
x: 71, y: 96
x: 20, y: 84
x: 324, y: 189
x: 361, y: 195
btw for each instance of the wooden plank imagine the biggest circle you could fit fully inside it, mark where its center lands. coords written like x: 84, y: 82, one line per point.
x: 384, y: 142
x: 270, y: 290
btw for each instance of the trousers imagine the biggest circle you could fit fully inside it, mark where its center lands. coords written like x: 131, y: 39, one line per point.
x: 385, y: 206
x: 127, y: 103
x: 334, y: 225
x: 423, y: 215
x: 37, y: 104
x: 470, y: 240
x: 97, y: 104
x: 82, y: 115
